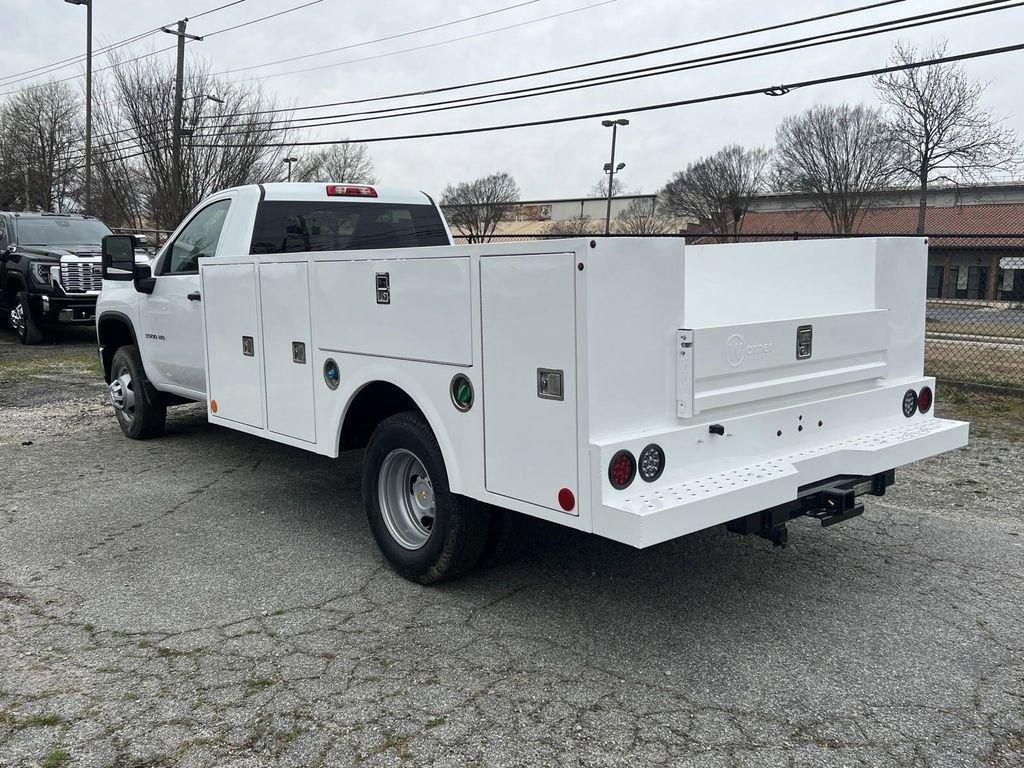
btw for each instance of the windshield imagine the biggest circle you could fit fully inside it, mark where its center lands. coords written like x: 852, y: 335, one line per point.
x: 60, y: 231
x: 295, y: 226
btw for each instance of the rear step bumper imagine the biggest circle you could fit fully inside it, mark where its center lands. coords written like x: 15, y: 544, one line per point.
x: 667, y: 513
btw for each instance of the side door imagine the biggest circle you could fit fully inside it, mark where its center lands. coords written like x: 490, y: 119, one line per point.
x: 172, y: 318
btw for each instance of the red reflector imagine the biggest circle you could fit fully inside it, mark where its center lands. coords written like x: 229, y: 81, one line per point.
x: 350, y: 190
x: 924, y: 400
x: 566, y: 500
x: 621, y: 469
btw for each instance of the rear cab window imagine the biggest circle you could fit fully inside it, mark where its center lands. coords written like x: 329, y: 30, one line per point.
x: 288, y: 226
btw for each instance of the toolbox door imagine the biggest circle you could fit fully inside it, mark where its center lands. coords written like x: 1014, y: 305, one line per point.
x: 528, y: 314
x: 234, y: 357
x: 284, y: 302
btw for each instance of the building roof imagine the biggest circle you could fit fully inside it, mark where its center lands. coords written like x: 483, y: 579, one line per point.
x: 967, y: 221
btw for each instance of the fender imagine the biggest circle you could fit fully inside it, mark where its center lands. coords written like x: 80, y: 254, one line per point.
x: 390, y: 374
x: 122, y: 318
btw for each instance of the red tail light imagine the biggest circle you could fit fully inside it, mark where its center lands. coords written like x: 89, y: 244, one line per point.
x: 924, y: 399
x: 350, y: 190
x: 566, y: 499
x: 621, y: 470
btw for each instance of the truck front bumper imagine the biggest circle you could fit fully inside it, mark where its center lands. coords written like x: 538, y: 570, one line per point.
x: 66, y: 309
x: 644, y: 515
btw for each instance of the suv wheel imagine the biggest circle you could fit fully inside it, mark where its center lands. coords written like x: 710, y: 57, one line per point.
x: 139, y: 414
x: 426, y: 532
x: 24, y: 321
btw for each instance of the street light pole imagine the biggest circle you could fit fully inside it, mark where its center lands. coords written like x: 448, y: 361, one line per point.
x: 610, y: 167
x: 289, y: 161
x: 88, y: 99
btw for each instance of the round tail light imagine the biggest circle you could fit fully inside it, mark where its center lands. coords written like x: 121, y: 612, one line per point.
x: 652, y: 463
x: 621, y: 470
x: 566, y: 499
x: 924, y: 400
x: 909, y: 403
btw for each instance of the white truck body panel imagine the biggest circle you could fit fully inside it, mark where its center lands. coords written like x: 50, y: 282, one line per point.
x: 611, y: 316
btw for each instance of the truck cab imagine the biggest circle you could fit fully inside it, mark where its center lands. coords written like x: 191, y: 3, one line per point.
x: 159, y: 310
x: 49, y: 270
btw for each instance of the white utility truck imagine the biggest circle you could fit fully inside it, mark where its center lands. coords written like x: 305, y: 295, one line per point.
x: 634, y: 388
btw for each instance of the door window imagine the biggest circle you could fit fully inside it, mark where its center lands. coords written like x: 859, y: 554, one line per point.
x: 197, y: 240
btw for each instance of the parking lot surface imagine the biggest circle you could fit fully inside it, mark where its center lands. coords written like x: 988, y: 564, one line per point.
x: 213, y: 599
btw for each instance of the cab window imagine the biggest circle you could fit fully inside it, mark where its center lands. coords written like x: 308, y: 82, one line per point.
x: 197, y: 240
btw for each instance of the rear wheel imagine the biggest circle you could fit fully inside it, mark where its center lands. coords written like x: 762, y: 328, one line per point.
x: 426, y: 532
x: 139, y: 414
x: 23, y: 320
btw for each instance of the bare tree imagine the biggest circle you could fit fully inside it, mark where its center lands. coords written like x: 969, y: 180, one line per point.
x: 339, y: 162
x: 716, y: 191
x: 642, y: 217
x: 600, y: 188
x: 134, y: 131
x: 840, y: 156
x: 40, y: 148
x: 476, y: 207
x: 577, y: 225
x: 940, y: 128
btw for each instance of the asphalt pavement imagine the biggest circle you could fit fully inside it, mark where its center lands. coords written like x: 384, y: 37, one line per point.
x: 214, y: 599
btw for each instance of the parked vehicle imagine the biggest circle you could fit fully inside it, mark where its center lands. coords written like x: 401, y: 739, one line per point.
x: 638, y: 389
x: 49, y: 271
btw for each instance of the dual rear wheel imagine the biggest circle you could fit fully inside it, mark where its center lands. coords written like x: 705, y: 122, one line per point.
x: 426, y: 532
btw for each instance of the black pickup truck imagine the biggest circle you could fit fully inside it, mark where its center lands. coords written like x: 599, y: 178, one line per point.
x: 49, y: 270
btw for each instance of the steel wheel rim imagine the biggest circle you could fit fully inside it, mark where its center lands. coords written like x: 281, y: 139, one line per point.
x: 122, y: 394
x: 405, y: 495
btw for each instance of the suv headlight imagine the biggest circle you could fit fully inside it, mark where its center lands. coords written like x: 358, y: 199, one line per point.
x: 40, y: 271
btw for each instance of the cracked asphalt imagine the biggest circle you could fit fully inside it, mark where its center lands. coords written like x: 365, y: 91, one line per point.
x: 212, y: 599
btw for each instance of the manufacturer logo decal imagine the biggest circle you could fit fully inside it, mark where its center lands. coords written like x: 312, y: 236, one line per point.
x: 737, y: 350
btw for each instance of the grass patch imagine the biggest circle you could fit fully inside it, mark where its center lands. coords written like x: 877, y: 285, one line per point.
x: 38, y: 721
x: 990, y: 413
x: 85, y: 363
x: 434, y: 722
x: 56, y: 758
x: 258, y: 684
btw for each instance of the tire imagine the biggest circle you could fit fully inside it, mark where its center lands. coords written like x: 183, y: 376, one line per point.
x: 503, y: 538
x: 139, y: 413
x: 404, y: 483
x: 24, y: 321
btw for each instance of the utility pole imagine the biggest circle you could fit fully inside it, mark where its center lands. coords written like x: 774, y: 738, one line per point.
x: 176, y: 128
x: 88, y: 99
x: 610, y: 169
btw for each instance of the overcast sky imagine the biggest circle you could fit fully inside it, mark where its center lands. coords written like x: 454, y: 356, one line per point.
x: 553, y: 161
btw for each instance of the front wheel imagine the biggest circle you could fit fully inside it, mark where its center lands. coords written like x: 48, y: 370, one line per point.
x: 139, y: 415
x: 426, y: 532
x: 24, y: 321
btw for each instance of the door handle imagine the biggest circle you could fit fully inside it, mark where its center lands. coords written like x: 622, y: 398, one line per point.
x: 195, y: 296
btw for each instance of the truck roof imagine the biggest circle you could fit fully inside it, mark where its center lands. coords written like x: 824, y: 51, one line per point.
x: 45, y: 214
x: 317, y: 191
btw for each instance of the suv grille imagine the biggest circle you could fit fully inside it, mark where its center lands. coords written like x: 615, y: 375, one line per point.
x: 81, y: 276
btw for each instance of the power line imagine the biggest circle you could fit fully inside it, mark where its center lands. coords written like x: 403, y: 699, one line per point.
x: 382, y: 39
x: 524, y: 23
x: 654, y: 71
x: 172, y: 47
x: 612, y: 78
x: 762, y: 90
x: 693, y: 43
x: 71, y: 61
x: 536, y: 73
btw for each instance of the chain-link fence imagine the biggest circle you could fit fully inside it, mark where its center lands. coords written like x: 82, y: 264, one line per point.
x: 975, y: 308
